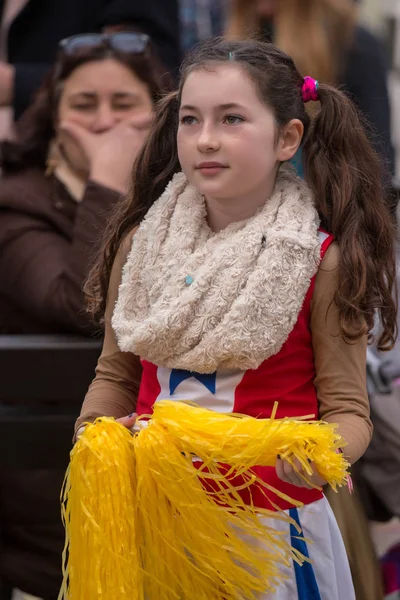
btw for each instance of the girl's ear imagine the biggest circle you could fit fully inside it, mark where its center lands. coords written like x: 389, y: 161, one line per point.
x: 289, y: 140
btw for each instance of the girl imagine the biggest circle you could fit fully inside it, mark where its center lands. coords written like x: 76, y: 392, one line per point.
x: 221, y: 299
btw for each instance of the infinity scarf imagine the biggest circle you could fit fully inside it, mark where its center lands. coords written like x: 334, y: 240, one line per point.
x: 197, y: 300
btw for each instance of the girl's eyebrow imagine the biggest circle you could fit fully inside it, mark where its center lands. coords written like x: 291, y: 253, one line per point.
x: 228, y: 106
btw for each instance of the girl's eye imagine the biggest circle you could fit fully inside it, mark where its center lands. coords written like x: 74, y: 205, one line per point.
x: 188, y: 120
x: 233, y: 119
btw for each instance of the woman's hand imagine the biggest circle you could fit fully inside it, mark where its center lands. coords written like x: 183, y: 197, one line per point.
x: 110, y: 154
x: 291, y: 474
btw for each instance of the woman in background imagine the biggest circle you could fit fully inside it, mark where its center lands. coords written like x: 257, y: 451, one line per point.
x: 61, y: 177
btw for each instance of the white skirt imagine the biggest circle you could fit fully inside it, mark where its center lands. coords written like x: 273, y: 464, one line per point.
x: 328, y: 575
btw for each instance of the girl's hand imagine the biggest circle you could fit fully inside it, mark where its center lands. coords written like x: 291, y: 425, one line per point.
x: 127, y: 422
x: 291, y: 474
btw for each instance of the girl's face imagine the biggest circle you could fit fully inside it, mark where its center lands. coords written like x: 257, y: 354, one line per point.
x: 228, y: 142
x: 98, y: 95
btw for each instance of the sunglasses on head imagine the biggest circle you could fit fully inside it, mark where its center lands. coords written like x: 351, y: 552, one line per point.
x: 127, y: 42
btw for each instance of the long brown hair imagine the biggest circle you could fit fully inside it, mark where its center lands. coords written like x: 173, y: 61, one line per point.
x: 315, y: 33
x: 36, y: 127
x: 341, y: 168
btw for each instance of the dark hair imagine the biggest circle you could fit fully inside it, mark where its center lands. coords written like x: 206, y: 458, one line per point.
x: 35, y: 129
x: 341, y: 168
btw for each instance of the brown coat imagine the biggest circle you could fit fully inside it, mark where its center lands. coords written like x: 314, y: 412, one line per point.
x: 46, y: 243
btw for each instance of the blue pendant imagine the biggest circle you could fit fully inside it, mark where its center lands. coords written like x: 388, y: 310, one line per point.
x: 188, y: 279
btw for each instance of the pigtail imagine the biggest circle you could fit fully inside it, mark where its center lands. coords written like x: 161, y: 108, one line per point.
x: 154, y: 167
x: 346, y: 177
x: 158, y: 160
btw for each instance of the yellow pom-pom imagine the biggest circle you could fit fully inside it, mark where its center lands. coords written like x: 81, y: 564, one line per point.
x: 140, y: 524
x: 100, y: 558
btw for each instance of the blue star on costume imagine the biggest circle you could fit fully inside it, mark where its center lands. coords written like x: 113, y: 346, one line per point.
x: 209, y: 380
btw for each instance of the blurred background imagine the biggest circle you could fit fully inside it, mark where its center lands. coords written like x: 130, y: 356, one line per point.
x: 78, y: 84
x: 383, y: 18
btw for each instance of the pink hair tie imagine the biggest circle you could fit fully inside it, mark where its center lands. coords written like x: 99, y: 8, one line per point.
x: 309, y: 91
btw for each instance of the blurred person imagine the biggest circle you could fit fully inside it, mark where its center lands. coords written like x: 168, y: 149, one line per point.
x: 30, y: 32
x: 324, y: 39
x: 63, y: 174
x: 87, y: 124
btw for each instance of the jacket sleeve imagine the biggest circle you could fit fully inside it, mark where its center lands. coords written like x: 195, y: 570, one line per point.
x: 115, y: 389
x: 42, y: 271
x: 340, y: 366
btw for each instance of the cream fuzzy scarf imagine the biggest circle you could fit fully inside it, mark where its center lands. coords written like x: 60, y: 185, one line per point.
x: 197, y: 300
